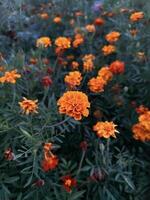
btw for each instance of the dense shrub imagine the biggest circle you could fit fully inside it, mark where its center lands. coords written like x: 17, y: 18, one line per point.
x: 74, y: 106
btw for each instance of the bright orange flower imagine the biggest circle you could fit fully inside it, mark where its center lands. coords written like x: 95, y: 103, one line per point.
x: 105, y: 73
x: 90, y: 28
x: 99, y: 21
x: 57, y: 20
x: 74, y: 65
x: 88, y: 62
x: 49, y: 163
x: 117, y: 67
x: 69, y: 183
x: 2, y: 69
x: 44, y: 16
x: 96, y: 84
x: 112, y: 36
x: 144, y: 119
x: 73, y: 79
x: 10, y: 77
x: 63, y: 42
x: 74, y: 104
x: 105, y: 129
x: 79, y: 39
x: 43, y: 42
x: 28, y: 106
x: 108, y: 49
x: 136, y: 16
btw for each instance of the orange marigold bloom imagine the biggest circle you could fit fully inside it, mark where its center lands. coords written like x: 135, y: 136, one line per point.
x: 134, y: 17
x: 105, y: 73
x: 141, y: 109
x: 10, y: 77
x: 73, y: 79
x: 112, y: 37
x: 96, y: 84
x: 57, y: 20
x: 90, y: 28
x: 49, y: 163
x: 88, y: 63
x: 44, y: 16
x: 99, y: 21
x: 108, y: 49
x: 28, y: 106
x: 144, y: 119
x: 43, y: 42
x: 117, y: 67
x: 75, y: 65
x: 63, y: 42
x: 79, y: 39
x: 69, y: 183
x: 2, y: 69
x: 140, y: 132
x: 33, y: 61
x: 74, y: 104
x: 105, y: 129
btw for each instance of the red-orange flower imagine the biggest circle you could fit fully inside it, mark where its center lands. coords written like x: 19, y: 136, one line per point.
x: 105, y: 129
x: 57, y: 20
x: 112, y: 36
x: 117, y: 67
x: 96, y: 84
x: 74, y: 104
x: 141, y: 109
x: 28, y: 106
x: 10, y: 77
x: 63, y: 42
x: 46, y: 81
x: 74, y: 65
x: 49, y: 163
x: 99, y: 21
x: 136, y: 16
x: 43, y: 42
x: 44, y: 15
x: 73, y: 79
x: 108, y: 49
x: 69, y: 183
x: 79, y: 39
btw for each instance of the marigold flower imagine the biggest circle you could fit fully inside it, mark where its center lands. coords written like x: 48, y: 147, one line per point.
x: 144, y: 119
x: 108, y: 49
x: 43, y: 42
x: 90, y: 28
x: 63, y: 42
x: 33, y: 61
x: 96, y: 84
x: 88, y: 63
x: 105, y: 73
x: 46, y: 81
x: 112, y: 37
x: 69, y: 183
x: 74, y: 104
x: 57, y: 20
x: 10, y: 77
x: 117, y: 67
x: 73, y: 79
x: 2, y: 69
x: 49, y: 163
x: 79, y: 39
x: 99, y: 21
x: 74, y: 65
x: 28, y: 106
x: 136, y: 16
x: 140, y: 132
x: 105, y: 129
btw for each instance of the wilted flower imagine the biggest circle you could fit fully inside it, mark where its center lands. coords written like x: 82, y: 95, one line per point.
x: 28, y: 106
x: 74, y: 104
x: 105, y: 129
